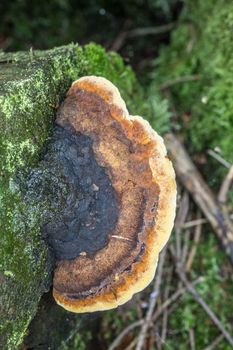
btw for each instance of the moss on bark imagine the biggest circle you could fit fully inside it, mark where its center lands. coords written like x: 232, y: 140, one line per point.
x: 32, y: 84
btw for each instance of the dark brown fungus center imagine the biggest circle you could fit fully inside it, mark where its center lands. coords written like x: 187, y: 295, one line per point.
x: 87, y: 209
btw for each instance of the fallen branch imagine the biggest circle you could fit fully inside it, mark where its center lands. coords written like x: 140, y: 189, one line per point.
x: 226, y: 185
x: 202, y: 195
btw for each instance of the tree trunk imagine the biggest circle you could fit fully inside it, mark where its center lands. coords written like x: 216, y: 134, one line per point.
x: 32, y: 84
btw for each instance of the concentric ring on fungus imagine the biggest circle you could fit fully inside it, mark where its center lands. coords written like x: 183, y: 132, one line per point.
x: 134, y: 158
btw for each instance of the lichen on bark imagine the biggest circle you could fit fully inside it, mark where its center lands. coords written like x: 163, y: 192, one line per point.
x: 32, y: 85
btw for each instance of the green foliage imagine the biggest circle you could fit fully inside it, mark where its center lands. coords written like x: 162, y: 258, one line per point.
x: 46, y: 24
x: 78, y: 342
x: 202, y: 45
x: 216, y: 289
x: 160, y: 115
x: 114, y: 321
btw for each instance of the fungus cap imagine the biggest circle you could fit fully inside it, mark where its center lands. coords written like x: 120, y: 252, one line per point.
x: 134, y: 158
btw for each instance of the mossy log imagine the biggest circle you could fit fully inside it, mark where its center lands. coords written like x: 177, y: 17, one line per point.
x: 32, y: 85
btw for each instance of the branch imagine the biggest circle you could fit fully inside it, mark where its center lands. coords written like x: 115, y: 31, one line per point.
x: 125, y: 34
x: 226, y: 185
x: 215, y: 343
x: 219, y: 158
x: 173, y: 298
x: 179, y: 80
x: 121, y: 336
x: 202, y: 195
x: 150, y: 30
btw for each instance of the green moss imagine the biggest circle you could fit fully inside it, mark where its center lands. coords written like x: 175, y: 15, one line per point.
x: 158, y: 109
x: 77, y: 341
x: 112, y: 67
x: 202, y: 45
x: 216, y: 289
x: 32, y: 86
x: 115, y: 321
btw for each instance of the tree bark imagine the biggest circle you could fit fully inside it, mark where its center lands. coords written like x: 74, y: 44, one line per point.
x: 32, y: 84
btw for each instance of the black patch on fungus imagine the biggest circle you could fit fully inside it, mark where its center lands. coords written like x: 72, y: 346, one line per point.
x: 81, y: 206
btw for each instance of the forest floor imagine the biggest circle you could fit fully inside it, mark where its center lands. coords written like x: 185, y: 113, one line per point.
x: 189, y: 303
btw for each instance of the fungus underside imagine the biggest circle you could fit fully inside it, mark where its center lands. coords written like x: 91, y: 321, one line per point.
x: 89, y: 209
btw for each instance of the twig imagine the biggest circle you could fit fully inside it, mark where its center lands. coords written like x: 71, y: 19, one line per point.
x: 121, y: 336
x: 156, y: 315
x: 185, y: 249
x: 138, y: 306
x: 203, y: 304
x: 121, y: 37
x: 150, y: 30
x: 222, y: 197
x: 165, y: 313
x: 172, y: 299
x: 203, y: 196
x: 215, y: 343
x: 153, y: 301
x: 151, y: 340
x: 125, y: 34
x: 197, y: 235
x: 192, y: 339
x: 131, y: 345
x: 219, y: 158
x: 73, y: 332
x: 183, y: 79
x: 158, y: 339
x: 193, y: 37
x: 180, y: 220
x: 164, y: 325
x: 182, y: 212
x: 193, y: 223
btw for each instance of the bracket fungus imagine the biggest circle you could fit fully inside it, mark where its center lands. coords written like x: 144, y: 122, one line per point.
x: 123, y: 211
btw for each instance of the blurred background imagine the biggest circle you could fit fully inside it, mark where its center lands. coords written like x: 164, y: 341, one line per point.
x: 182, y: 53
